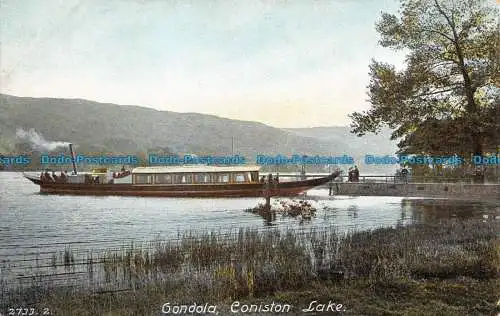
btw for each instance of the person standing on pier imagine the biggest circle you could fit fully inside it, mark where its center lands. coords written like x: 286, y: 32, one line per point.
x: 340, y: 176
x: 355, y: 174
x: 404, y: 174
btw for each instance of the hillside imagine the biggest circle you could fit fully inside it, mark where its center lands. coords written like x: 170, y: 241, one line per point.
x: 100, y: 127
x: 110, y: 127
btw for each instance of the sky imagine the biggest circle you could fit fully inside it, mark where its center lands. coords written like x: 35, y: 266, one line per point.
x: 283, y: 63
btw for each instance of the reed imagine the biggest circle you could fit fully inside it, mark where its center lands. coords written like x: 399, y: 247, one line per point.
x: 251, y: 264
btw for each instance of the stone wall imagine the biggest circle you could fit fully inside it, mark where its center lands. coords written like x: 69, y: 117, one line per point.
x: 444, y: 190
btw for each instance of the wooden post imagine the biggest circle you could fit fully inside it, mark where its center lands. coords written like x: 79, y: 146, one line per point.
x: 268, y: 194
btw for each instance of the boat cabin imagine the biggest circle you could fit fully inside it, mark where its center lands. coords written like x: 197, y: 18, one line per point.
x: 98, y: 176
x: 195, y: 175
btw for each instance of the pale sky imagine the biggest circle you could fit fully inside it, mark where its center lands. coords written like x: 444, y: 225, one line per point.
x: 296, y: 63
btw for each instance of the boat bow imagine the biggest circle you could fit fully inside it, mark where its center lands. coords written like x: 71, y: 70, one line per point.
x: 35, y: 180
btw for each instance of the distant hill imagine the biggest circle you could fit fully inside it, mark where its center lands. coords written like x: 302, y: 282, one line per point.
x: 113, y: 127
x: 370, y: 143
x: 104, y: 127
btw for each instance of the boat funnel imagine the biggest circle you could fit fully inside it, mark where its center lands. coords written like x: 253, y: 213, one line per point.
x: 72, y: 158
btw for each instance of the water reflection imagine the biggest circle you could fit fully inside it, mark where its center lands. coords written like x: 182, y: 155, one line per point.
x: 268, y: 215
x: 426, y: 211
x: 405, y: 211
x: 352, y: 211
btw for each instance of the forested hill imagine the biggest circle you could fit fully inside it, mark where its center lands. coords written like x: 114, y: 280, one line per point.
x: 101, y: 127
x: 112, y: 127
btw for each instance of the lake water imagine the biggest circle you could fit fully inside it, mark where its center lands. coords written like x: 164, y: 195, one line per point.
x: 36, y: 226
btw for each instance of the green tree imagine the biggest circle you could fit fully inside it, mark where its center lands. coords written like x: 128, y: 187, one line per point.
x: 446, y: 100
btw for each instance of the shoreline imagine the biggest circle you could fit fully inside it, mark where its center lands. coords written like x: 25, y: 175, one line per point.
x: 451, y: 266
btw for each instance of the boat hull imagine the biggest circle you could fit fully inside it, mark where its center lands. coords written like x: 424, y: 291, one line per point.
x: 183, y: 190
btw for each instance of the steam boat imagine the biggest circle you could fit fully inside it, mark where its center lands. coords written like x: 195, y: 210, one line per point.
x: 176, y: 181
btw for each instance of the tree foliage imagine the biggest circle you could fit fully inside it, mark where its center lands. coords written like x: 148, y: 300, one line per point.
x: 446, y: 100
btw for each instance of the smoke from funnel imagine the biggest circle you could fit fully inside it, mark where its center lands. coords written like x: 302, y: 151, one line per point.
x: 37, y: 141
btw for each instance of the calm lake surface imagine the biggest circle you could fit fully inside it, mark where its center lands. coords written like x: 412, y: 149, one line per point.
x: 35, y: 226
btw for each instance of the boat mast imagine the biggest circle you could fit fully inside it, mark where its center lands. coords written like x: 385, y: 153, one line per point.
x: 72, y: 158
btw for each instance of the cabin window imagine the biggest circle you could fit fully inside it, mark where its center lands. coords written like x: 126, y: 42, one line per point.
x: 223, y: 178
x: 202, y: 178
x: 187, y: 178
x: 183, y: 178
x: 163, y: 178
x: 239, y: 177
x: 178, y: 178
x: 143, y: 179
x: 214, y: 177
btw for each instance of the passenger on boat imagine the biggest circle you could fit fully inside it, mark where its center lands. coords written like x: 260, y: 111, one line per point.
x: 276, y: 179
x: 263, y: 179
x: 63, y: 178
x: 350, y: 175
x: 46, y: 176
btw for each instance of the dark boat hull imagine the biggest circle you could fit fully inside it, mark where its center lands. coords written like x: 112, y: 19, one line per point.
x: 183, y: 190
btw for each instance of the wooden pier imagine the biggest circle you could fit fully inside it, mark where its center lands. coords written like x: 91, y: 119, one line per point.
x: 435, y: 187
x: 490, y: 192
